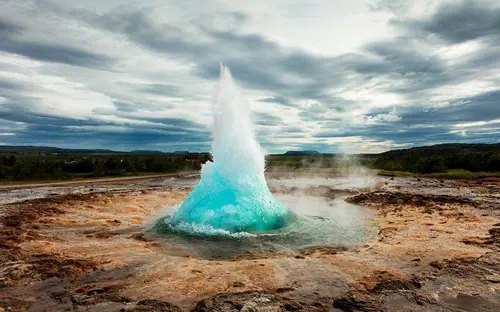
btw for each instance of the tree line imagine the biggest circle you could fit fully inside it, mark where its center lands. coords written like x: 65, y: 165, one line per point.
x: 25, y: 166
x: 449, y: 157
x: 422, y: 160
x: 42, y: 167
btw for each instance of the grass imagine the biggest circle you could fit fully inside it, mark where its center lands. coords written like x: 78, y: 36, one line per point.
x: 75, y: 178
x: 462, y: 174
x: 450, y: 174
x: 392, y: 173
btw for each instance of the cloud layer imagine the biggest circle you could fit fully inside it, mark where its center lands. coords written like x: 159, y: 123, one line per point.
x: 362, y: 76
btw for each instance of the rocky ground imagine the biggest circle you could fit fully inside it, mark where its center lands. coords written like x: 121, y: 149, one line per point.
x: 83, y: 248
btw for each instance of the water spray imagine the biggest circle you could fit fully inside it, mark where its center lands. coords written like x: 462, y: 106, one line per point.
x: 232, y: 194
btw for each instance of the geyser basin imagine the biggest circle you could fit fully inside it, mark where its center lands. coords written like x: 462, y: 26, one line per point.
x: 318, y: 222
x: 232, y: 194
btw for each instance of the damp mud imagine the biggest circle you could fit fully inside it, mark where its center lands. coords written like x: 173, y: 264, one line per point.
x: 430, y: 245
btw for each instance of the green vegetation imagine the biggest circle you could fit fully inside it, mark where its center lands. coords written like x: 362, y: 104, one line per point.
x: 439, y: 161
x: 31, y: 166
x: 442, y: 158
x: 462, y: 174
x: 392, y: 173
x: 449, y: 174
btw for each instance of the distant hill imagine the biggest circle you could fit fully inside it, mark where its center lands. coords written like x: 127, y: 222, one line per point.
x: 300, y: 153
x: 445, y: 149
x: 442, y: 157
x: 48, y: 149
x: 57, y: 150
x: 146, y: 152
x: 431, y: 150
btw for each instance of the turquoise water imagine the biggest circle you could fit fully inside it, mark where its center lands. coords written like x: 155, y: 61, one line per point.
x: 235, y: 205
x: 232, y: 195
x: 316, y: 222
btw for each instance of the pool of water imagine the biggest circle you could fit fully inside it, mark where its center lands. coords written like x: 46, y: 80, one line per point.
x: 315, y: 221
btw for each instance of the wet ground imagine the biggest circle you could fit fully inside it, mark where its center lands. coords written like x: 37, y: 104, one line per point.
x: 85, y: 248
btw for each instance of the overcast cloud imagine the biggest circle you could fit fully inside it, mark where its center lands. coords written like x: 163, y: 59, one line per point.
x: 349, y: 75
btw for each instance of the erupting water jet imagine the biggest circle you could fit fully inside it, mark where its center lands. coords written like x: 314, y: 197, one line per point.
x: 232, y: 195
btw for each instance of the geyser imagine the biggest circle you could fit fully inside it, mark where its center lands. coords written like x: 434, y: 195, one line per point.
x: 232, y: 195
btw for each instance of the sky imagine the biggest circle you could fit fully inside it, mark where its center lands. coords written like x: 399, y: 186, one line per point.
x: 360, y: 76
